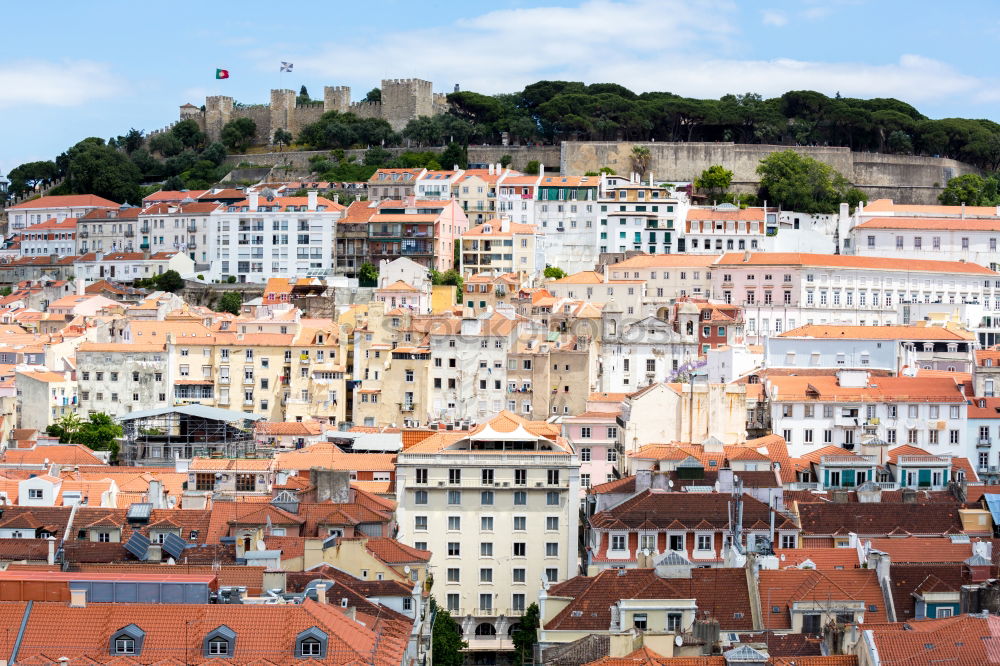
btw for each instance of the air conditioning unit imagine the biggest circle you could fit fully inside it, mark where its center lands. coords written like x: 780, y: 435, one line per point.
x: 506, y: 484
x: 497, y: 484
x: 538, y: 484
x: 440, y: 483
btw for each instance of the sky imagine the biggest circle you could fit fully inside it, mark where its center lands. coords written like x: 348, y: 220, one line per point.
x: 78, y: 69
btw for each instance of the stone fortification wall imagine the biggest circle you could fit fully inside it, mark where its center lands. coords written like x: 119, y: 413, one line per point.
x: 402, y: 101
x: 904, y: 178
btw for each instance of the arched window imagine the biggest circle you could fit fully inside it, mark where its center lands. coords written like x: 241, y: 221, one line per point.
x: 512, y: 628
x: 690, y: 328
x: 485, y: 629
x: 311, y: 644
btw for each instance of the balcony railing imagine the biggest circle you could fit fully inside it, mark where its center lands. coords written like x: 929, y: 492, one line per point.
x: 983, y: 443
x: 192, y: 244
x: 192, y: 228
x: 223, y: 380
x: 129, y: 233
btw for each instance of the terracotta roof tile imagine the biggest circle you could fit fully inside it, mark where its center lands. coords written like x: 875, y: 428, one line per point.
x: 851, y: 261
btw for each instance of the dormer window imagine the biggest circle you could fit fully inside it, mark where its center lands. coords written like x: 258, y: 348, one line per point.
x: 220, y: 642
x: 127, y: 640
x: 311, y: 644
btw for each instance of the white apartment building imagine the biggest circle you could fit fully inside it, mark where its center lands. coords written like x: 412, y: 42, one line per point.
x: 180, y: 227
x: 646, y: 218
x: 59, y: 207
x: 596, y: 287
x: 108, y: 230
x: 566, y: 210
x: 726, y: 227
x: 782, y: 290
x: 128, y: 266
x: 50, y: 237
x: 498, y: 506
x: 950, y: 233
x: 260, y: 238
x: 435, y: 184
x: 859, y: 412
x: 516, y: 197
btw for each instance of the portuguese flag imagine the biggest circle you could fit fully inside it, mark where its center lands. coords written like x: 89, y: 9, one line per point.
x: 222, y: 73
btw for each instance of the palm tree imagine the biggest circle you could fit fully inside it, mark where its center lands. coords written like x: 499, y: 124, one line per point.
x: 69, y: 425
x: 640, y: 159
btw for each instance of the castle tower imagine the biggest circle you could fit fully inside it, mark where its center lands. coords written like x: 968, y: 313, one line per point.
x: 218, y: 112
x: 406, y: 99
x: 282, y: 113
x: 336, y: 98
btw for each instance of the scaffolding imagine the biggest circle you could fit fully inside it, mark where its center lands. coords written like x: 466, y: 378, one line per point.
x: 160, y: 437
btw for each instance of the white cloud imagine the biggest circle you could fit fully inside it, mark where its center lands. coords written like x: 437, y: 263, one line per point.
x: 69, y: 83
x: 690, y: 48
x: 773, y: 17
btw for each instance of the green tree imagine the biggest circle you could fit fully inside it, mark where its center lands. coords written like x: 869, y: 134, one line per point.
x: 446, y: 638
x: 303, y: 95
x: 92, y: 167
x: 368, y: 275
x: 714, y: 180
x: 554, y: 272
x: 377, y: 156
x: 66, y: 427
x: 174, y: 183
x: 169, y: 281
x: 607, y: 170
x: 532, y: 167
x: 99, y: 432
x: 6, y: 291
x: 230, y: 302
x: 803, y: 184
x: 166, y: 144
x: 132, y: 141
x: 188, y: 133
x: 239, y: 134
x: 640, y: 159
x: 526, y: 635
x: 374, y: 95
x: 30, y: 175
x: 282, y: 137
x: 455, y: 154
x: 972, y: 190
x: 505, y: 160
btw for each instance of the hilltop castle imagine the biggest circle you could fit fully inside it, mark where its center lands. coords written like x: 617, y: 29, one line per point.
x: 402, y: 101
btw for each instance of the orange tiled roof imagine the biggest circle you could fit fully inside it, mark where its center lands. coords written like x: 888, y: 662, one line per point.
x: 931, y: 223
x: 878, y: 332
x: 850, y: 261
x: 66, y: 201
x: 784, y: 587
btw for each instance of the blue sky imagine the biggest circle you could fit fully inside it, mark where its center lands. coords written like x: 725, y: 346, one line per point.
x: 99, y: 68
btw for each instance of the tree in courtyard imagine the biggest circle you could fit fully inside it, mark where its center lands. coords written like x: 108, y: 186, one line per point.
x: 714, y: 180
x: 554, y: 272
x: 368, y: 275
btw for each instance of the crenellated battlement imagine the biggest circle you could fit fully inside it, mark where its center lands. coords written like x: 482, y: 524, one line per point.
x: 402, y: 101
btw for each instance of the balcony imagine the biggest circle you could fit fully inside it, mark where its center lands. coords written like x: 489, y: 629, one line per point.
x: 982, y: 443
x: 129, y: 233
x: 223, y: 380
x: 192, y: 244
x: 247, y: 403
x: 144, y: 229
x: 143, y: 246
x: 192, y: 228
x: 84, y: 234
x: 406, y: 406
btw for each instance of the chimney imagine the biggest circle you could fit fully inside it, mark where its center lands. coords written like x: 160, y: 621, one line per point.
x: 252, y: 199
x: 52, y: 550
x: 81, y: 286
x: 154, y: 553
x: 504, y: 224
x: 321, y: 592
x: 77, y: 598
x: 963, y: 210
x: 746, y: 256
x: 491, y: 168
x: 312, y: 194
x: 155, y: 493
x: 541, y: 171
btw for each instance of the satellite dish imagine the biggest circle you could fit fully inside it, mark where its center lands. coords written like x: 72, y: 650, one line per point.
x: 782, y: 557
x: 645, y: 551
x: 670, y: 483
x: 406, y: 569
x: 678, y: 640
x: 261, y: 545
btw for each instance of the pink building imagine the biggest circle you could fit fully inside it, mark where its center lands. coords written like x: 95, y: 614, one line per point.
x: 424, y: 231
x: 594, y: 436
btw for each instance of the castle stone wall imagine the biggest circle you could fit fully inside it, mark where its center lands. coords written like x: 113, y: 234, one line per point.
x: 903, y: 178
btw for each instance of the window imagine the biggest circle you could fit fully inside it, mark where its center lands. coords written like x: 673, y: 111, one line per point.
x: 617, y: 542
x: 454, y: 549
x: 520, y: 549
x: 487, y: 475
x: 520, y: 498
x: 585, y: 453
x: 552, y: 498
x: 639, y: 621
x: 553, y: 477
x: 520, y: 523
x: 455, y: 523
x: 486, y: 602
x: 518, y: 575
x: 486, y: 575
x: 704, y: 542
x: 486, y: 498
x: 422, y: 475
x: 220, y: 642
x: 420, y: 497
x: 420, y: 523
x: 552, y: 549
x: 552, y: 523
x: 454, y: 497
x: 454, y: 476
x: 520, y: 477
x: 486, y: 524
x: 310, y: 647
x: 454, y: 575
x: 552, y: 574
x: 125, y: 645
x: 35, y: 493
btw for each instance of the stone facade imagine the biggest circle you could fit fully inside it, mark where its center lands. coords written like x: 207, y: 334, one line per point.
x: 402, y: 101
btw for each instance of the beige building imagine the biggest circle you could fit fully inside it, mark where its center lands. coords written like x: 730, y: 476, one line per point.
x: 498, y: 508
x: 483, y: 292
x: 500, y: 246
x: 44, y: 397
x: 667, y: 276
